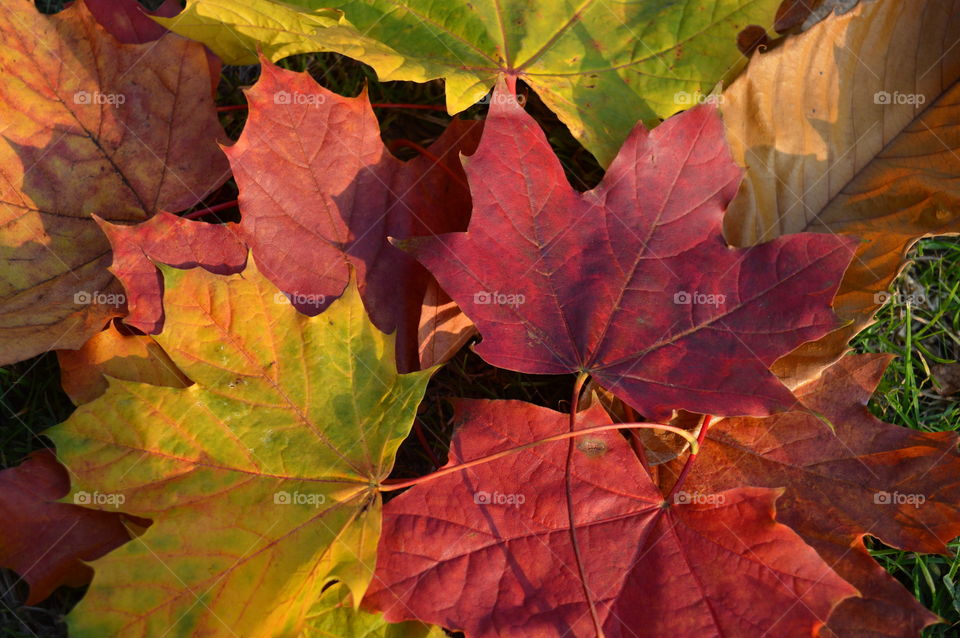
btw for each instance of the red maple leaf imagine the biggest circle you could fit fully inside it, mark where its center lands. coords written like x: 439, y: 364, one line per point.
x: 45, y: 542
x: 488, y: 550
x: 320, y: 193
x: 632, y: 281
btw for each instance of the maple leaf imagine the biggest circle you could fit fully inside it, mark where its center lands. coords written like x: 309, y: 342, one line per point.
x: 47, y: 542
x: 131, y: 357
x: 261, y: 477
x: 90, y: 126
x: 600, y: 66
x: 632, y: 281
x: 844, y: 480
x: 870, y: 151
x: 340, y: 196
x: 488, y: 550
x: 174, y: 241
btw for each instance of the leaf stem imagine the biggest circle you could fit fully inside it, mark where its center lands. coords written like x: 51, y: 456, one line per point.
x: 568, y: 489
x: 392, y: 485
x: 418, y: 429
x: 422, y: 107
x: 690, y: 459
x: 212, y: 209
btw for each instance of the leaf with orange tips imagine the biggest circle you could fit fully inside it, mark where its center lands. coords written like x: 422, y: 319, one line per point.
x: 444, y: 329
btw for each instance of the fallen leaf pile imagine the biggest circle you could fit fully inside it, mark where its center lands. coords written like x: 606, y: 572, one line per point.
x: 242, y: 389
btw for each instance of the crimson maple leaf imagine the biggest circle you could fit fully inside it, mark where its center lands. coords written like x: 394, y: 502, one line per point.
x: 320, y: 193
x: 47, y: 542
x: 632, y: 281
x: 488, y: 550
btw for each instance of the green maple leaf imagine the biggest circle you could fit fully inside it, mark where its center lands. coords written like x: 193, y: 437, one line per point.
x: 600, y: 65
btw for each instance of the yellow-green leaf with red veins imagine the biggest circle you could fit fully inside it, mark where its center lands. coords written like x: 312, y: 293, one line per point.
x: 261, y: 478
x: 600, y: 65
x: 88, y: 126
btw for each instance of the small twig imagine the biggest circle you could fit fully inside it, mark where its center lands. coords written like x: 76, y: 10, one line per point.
x: 568, y: 489
x: 212, y: 209
x: 422, y: 107
x: 418, y: 429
